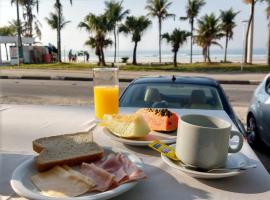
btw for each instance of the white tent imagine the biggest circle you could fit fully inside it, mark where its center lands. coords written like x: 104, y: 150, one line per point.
x: 14, y: 40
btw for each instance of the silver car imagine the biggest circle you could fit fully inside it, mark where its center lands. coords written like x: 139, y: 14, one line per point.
x: 258, y: 117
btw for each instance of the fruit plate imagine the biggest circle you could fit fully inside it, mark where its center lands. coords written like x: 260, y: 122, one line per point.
x: 167, y: 138
x: 22, y: 185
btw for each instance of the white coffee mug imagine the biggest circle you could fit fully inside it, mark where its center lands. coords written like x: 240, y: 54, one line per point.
x: 203, y: 141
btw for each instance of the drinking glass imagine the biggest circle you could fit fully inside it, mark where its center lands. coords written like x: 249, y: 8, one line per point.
x: 106, y: 91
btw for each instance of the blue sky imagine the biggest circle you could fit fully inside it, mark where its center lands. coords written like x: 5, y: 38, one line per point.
x: 74, y: 38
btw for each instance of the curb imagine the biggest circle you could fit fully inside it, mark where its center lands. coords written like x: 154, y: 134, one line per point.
x: 127, y: 80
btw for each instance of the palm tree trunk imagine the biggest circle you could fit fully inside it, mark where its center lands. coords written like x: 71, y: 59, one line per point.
x: 204, y: 54
x: 226, y: 47
x: 159, y: 38
x: 6, y: 50
x: 268, y: 53
x: 59, y: 30
x: 20, y: 47
x: 175, y: 59
x: 102, y: 57
x: 134, y: 62
x: 29, y: 19
x: 247, y: 31
x: 31, y: 26
x: 115, y: 45
x: 191, y: 39
x: 208, y: 54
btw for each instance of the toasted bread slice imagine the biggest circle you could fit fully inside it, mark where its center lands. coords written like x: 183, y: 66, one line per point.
x: 69, y: 149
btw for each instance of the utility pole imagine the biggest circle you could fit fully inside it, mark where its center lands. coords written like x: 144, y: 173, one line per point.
x: 19, y: 42
x: 250, y: 39
x: 58, y: 5
x: 0, y: 55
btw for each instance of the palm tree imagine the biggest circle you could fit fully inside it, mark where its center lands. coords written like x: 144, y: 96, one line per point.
x: 31, y: 21
x: 58, y: 6
x: 52, y: 20
x: 177, y: 38
x: 115, y: 13
x: 19, y: 43
x: 192, y: 11
x: 99, y: 26
x: 92, y: 42
x: 250, y: 20
x: 14, y: 24
x: 159, y: 9
x: 7, y: 31
x: 227, y: 25
x: 207, y: 34
x: 135, y: 26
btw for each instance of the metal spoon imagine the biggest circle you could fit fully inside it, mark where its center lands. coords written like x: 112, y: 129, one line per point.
x: 232, y: 168
x: 240, y: 167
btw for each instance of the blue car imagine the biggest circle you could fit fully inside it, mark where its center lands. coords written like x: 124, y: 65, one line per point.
x: 179, y: 93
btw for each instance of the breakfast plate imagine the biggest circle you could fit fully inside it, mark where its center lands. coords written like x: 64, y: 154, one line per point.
x: 22, y: 185
x: 167, y: 138
x: 235, y: 164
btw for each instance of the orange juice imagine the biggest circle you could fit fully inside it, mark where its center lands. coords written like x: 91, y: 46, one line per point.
x: 106, y: 100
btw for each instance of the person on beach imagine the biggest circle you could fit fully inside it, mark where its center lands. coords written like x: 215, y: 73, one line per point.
x: 87, y: 56
x: 70, y: 55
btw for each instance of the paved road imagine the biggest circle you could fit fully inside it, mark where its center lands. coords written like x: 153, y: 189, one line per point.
x: 80, y: 93
x: 75, y: 92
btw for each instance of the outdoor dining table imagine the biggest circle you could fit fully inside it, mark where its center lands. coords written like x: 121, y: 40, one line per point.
x: 21, y: 124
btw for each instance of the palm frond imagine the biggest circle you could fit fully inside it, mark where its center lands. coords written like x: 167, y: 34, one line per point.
x: 217, y: 44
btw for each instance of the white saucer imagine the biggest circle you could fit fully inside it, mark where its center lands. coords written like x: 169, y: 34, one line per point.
x: 167, y: 138
x: 22, y: 185
x: 233, y: 160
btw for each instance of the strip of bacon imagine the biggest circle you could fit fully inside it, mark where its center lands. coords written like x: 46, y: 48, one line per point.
x: 123, y: 169
x: 134, y: 172
x: 103, y: 179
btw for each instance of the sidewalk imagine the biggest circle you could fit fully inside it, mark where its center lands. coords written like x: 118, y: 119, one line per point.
x: 125, y: 76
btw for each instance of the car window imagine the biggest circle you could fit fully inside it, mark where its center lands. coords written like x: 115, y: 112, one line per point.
x: 160, y: 95
x: 267, y: 86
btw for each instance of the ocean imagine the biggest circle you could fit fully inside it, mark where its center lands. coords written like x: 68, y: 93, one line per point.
x: 217, y: 55
x: 234, y: 55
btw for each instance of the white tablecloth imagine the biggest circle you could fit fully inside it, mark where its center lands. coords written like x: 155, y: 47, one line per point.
x: 22, y: 124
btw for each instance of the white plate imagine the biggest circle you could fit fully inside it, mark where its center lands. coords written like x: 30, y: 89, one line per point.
x: 22, y: 185
x: 233, y: 160
x: 167, y: 138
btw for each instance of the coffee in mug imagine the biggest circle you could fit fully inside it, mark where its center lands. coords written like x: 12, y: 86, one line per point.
x: 203, y: 141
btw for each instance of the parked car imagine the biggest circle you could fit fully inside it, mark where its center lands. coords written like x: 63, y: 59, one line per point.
x: 179, y: 93
x: 258, y: 117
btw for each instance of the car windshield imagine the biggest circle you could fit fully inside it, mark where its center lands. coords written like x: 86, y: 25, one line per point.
x: 166, y: 95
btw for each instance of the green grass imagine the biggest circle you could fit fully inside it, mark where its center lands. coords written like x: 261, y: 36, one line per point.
x: 196, y: 67
x: 202, y: 67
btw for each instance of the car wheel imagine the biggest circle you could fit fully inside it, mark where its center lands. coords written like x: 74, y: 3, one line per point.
x: 252, y: 131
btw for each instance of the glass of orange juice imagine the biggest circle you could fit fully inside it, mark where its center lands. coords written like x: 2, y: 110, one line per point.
x: 106, y: 91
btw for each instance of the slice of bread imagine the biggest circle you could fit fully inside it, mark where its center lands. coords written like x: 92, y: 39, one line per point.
x: 69, y: 149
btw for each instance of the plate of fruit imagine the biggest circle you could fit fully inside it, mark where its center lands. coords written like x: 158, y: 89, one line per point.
x: 142, y: 127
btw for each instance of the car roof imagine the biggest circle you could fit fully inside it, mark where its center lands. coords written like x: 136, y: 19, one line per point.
x: 177, y: 79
